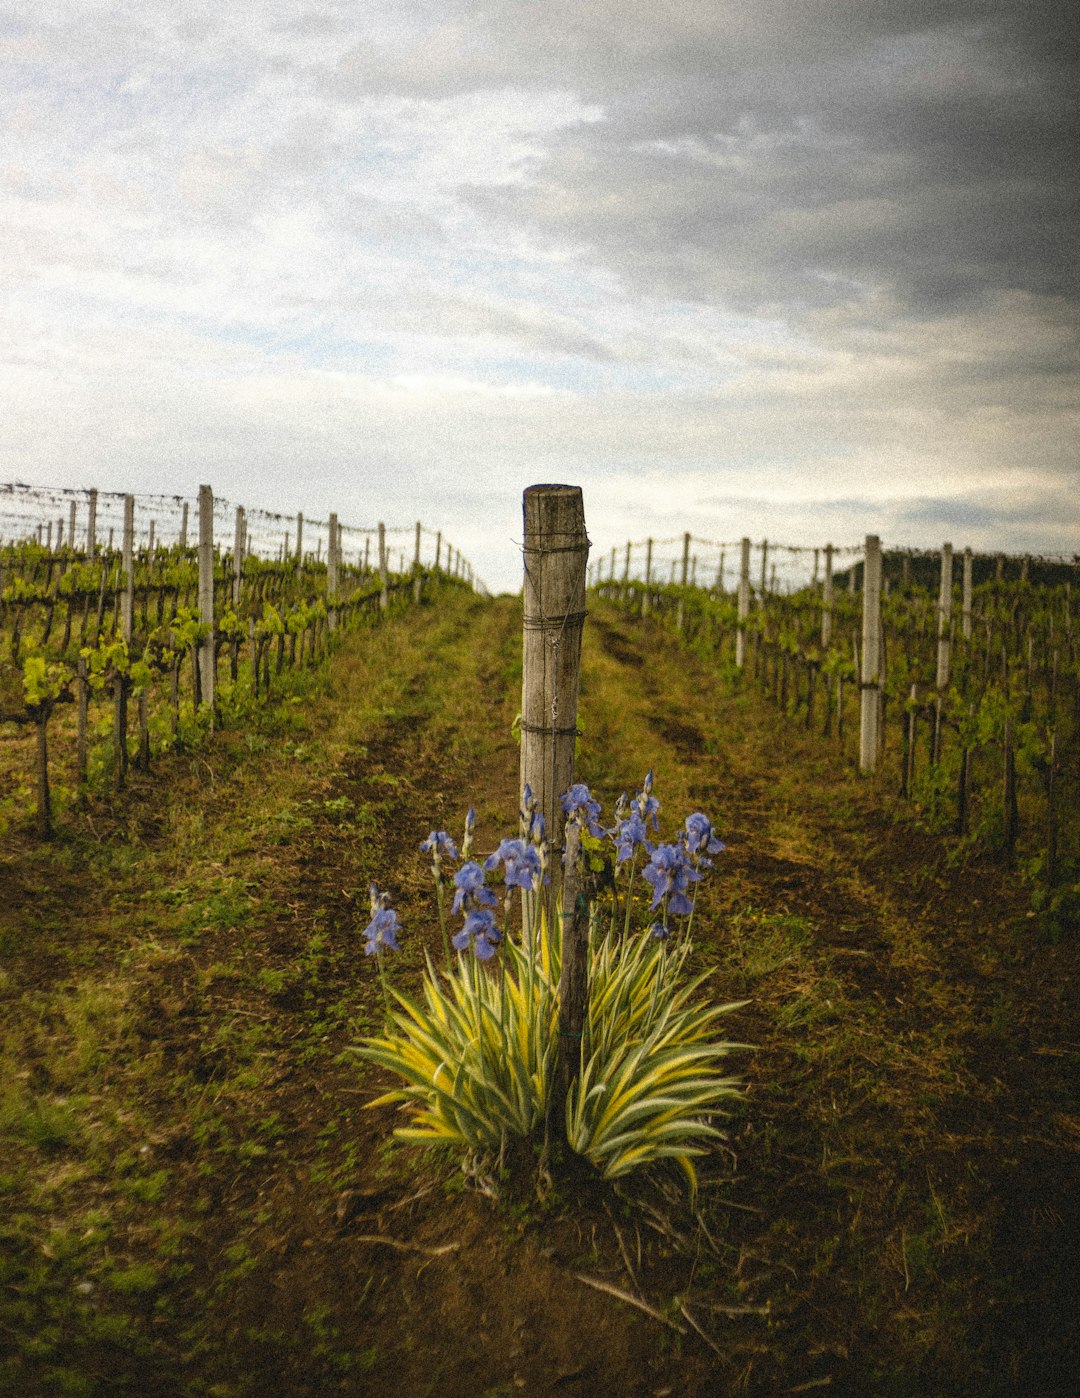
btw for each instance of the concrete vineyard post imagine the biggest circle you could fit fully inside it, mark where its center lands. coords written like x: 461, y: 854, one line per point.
x: 91, y: 525
x: 206, y: 591
x: 966, y: 615
x: 127, y: 563
x: 870, y: 686
x: 556, y: 550
x: 944, y: 617
x: 238, y: 554
x: 384, y: 582
x: 744, y: 603
x: 827, y: 600
x: 332, y: 571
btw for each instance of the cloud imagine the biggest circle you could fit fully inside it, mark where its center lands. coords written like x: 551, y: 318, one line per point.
x: 813, y: 261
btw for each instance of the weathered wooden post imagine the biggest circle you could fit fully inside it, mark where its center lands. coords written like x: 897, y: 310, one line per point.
x: 438, y: 549
x: 744, y: 603
x: 150, y: 541
x: 870, y: 686
x: 300, y: 538
x: 685, y: 559
x: 71, y: 525
x: 720, y: 575
x: 207, y: 651
x: 648, y: 579
x: 556, y: 550
x: 966, y: 614
x: 183, y: 526
x: 827, y: 600
x: 384, y: 580
x: 764, y: 568
x: 416, y: 568
x: 91, y: 525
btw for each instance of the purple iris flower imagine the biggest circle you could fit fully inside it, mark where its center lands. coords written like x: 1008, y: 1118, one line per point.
x: 660, y: 931
x: 522, y: 863
x: 646, y: 802
x: 440, y: 844
x: 670, y: 873
x: 628, y: 834
x: 699, y: 837
x: 381, y: 932
x: 579, y: 805
x: 471, y: 893
x: 481, y: 931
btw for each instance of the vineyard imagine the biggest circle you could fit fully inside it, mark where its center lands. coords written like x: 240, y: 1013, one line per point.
x: 212, y: 758
x: 104, y: 629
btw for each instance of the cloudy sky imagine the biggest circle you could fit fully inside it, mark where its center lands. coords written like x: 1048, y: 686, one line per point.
x: 778, y: 267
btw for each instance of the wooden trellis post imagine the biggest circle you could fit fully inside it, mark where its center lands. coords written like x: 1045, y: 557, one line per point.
x: 238, y: 554
x: 764, y: 569
x: 685, y: 558
x: 648, y: 579
x: 870, y: 686
x: 944, y: 647
x: 556, y: 553
x: 384, y: 579
x: 71, y: 525
x: 91, y: 525
x: 300, y: 538
x: 744, y: 603
x: 127, y: 617
x: 416, y: 568
x: 332, y: 563
x: 966, y: 614
x: 183, y: 525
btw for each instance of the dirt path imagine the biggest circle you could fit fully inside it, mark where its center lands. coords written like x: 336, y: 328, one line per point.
x: 202, y: 1205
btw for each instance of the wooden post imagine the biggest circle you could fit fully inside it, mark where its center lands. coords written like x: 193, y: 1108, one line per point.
x: 71, y: 525
x: 300, y: 538
x: 384, y: 581
x: 813, y: 580
x: 183, y: 526
x: 626, y: 564
x: 48, y: 537
x: 91, y: 525
x: 574, y: 974
x: 648, y: 579
x: 744, y: 603
x: 966, y: 616
x: 150, y: 542
x: 206, y: 592
x: 827, y: 600
x: 556, y: 553
x: 685, y: 558
x: 438, y: 549
x: 128, y: 564
x: 764, y: 568
x: 870, y: 686
x: 720, y: 574
x: 416, y: 568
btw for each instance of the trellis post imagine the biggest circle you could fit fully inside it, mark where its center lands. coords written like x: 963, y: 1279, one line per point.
x: 332, y: 561
x: 556, y: 551
x: 416, y: 568
x: 827, y: 600
x: 71, y: 525
x: 744, y: 603
x: 966, y: 617
x: 300, y: 538
x: 238, y: 554
x: 183, y: 525
x: 685, y: 558
x: 91, y: 525
x: 128, y: 564
x: 384, y: 581
x: 870, y: 685
x: 206, y: 592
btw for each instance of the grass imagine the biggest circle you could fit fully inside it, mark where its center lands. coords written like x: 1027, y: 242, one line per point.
x: 181, y: 1133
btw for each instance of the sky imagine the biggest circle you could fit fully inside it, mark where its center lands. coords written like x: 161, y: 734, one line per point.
x: 785, y: 268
